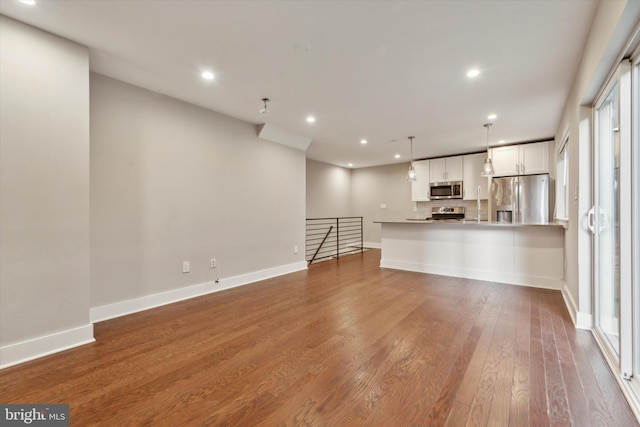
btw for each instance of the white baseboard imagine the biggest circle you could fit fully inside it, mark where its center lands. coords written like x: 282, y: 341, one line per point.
x: 580, y: 320
x: 35, y: 348
x: 570, y: 304
x: 372, y: 245
x: 110, y: 311
x: 468, y: 273
x: 584, y: 321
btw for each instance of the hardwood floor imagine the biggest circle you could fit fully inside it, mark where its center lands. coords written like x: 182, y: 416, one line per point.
x: 343, y: 343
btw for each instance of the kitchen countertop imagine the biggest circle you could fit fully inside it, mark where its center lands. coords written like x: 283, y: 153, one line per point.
x: 465, y: 222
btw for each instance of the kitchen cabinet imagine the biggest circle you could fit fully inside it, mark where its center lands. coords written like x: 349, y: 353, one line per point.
x: 534, y: 158
x: 505, y: 160
x: 524, y: 159
x: 446, y: 169
x: 471, y: 168
x: 420, y: 187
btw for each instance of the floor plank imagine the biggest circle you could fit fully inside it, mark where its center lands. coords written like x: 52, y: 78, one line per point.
x: 342, y: 343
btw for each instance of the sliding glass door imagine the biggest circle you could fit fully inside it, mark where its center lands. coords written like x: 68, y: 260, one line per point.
x: 606, y: 218
x: 610, y: 219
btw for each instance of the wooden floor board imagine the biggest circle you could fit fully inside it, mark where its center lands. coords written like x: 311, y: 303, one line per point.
x: 343, y: 343
x: 519, y: 405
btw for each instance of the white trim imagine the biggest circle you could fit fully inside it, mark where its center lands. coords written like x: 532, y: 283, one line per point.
x: 584, y: 321
x: 580, y: 320
x: 372, y: 245
x: 35, y: 348
x: 626, y: 230
x: 570, y: 304
x: 564, y: 141
x: 635, y: 200
x: 468, y: 273
x: 122, y: 308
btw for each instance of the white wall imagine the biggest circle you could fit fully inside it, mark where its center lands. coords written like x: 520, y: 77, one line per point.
x: 328, y: 190
x: 612, y: 25
x: 172, y: 182
x: 44, y: 193
x: 374, y: 186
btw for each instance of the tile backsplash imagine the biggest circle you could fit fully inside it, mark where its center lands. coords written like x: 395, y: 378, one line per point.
x: 470, y: 208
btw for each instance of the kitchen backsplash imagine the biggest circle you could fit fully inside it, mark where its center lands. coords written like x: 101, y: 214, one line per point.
x: 470, y: 208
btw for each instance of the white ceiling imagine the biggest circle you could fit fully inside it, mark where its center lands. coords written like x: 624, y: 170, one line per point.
x: 380, y: 70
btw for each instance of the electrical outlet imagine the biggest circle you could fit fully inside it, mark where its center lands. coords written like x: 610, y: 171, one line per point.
x: 295, y: 249
x: 186, y: 266
x: 213, y: 263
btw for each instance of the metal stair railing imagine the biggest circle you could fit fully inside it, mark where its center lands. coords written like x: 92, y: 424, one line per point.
x: 328, y: 238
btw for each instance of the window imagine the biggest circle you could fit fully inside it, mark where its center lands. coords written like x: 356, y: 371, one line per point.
x: 562, y: 182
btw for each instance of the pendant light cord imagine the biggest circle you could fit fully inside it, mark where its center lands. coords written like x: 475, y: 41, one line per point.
x: 411, y: 148
x: 488, y: 125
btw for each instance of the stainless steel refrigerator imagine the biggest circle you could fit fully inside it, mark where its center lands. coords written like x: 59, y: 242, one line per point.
x: 520, y: 199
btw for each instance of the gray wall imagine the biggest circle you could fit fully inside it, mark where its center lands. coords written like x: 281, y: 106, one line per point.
x: 335, y: 191
x: 328, y: 190
x: 172, y: 182
x: 612, y: 25
x: 44, y: 185
x: 374, y: 186
x: 88, y: 224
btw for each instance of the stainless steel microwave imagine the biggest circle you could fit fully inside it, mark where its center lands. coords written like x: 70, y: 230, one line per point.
x: 445, y: 190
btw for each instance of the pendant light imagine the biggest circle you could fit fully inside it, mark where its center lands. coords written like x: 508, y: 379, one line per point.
x: 411, y: 174
x: 487, y: 168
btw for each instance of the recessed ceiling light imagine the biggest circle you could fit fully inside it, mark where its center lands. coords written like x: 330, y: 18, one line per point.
x: 350, y: 164
x: 397, y: 156
x: 207, y: 75
x: 29, y: 2
x: 311, y: 119
x: 474, y: 72
x: 502, y: 141
x: 363, y: 141
x: 492, y: 117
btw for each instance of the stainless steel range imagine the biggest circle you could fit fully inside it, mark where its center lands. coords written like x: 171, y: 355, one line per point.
x: 450, y: 213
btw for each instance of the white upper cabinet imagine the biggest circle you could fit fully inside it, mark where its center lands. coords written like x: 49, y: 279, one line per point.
x: 505, y: 160
x: 534, y: 158
x: 446, y: 169
x: 420, y: 187
x: 471, y: 168
x: 525, y: 159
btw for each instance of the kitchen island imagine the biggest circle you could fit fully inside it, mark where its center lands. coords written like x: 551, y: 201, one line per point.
x: 519, y: 254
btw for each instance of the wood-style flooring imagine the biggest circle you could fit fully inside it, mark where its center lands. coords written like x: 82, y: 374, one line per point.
x: 343, y: 343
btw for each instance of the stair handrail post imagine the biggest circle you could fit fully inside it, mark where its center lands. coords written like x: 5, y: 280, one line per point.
x: 337, y: 237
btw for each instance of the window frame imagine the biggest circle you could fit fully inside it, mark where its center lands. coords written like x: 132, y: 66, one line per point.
x: 562, y: 182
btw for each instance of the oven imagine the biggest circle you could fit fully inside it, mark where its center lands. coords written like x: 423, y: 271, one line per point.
x: 447, y: 213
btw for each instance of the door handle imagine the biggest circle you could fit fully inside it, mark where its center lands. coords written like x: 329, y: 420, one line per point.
x: 603, y: 220
x: 590, y: 220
